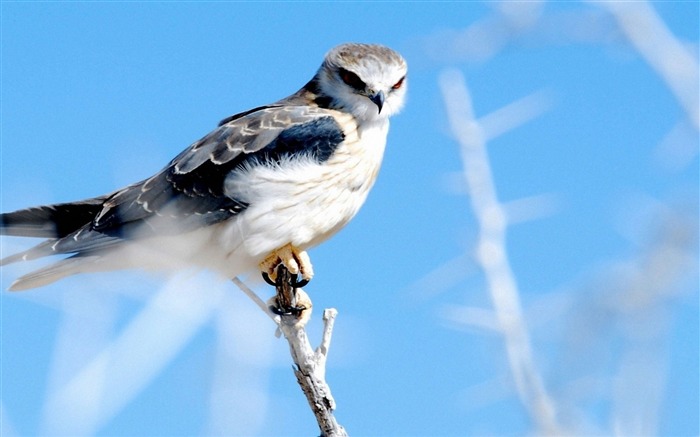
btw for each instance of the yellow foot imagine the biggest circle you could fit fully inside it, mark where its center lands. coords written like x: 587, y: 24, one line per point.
x: 297, y: 261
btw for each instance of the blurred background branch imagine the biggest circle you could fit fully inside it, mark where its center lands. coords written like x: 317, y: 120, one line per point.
x: 491, y: 252
x: 625, y: 315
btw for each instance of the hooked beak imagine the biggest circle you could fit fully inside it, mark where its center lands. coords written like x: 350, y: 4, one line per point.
x: 378, y: 99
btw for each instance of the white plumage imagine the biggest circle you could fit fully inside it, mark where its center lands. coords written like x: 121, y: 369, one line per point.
x: 259, y: 190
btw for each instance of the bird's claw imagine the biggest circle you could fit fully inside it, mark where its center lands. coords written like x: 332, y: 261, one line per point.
x: 292, y: 311
x: 294, y: 281
x: 288, y: 287
x: 288, y: 269
x: 296, y: 261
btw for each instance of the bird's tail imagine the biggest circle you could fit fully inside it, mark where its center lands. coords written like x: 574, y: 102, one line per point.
x: 53, y: 222
x: 54, y: 272
x: 50, y: 221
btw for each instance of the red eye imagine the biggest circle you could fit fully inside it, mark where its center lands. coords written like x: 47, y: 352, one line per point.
x: 352, y: 79
x: 398, y: 84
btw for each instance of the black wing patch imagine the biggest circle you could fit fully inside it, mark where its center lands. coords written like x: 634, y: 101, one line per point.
x: 316, y: 139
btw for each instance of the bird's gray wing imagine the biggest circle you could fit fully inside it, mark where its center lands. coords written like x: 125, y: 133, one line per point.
x: 189, y: 192
x: 190, y: 189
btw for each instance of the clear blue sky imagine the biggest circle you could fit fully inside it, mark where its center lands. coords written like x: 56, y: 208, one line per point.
x: 98, y: 95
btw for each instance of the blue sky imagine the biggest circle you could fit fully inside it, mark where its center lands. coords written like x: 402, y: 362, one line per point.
x: 99, y: 95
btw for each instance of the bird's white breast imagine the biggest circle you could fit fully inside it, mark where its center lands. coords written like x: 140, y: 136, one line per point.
x: 301, y: 201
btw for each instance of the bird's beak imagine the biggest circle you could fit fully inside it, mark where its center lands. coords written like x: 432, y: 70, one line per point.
x: 378, y: 99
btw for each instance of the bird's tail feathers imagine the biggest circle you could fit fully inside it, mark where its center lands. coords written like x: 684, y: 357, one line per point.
x: 82, y: 243
x: 50, y: 221
x: 54, y: 272
x: 41, y: 250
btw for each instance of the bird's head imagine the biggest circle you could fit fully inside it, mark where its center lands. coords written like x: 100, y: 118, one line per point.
x: 367, y: 80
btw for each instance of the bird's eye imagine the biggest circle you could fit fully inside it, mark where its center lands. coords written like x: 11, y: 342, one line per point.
x: 351, y: 79
x: 398, y: 84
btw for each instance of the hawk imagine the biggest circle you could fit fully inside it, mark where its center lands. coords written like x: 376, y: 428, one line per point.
x: 258, y: 191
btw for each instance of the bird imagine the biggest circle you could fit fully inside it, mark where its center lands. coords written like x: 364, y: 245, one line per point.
x: 259, y: 190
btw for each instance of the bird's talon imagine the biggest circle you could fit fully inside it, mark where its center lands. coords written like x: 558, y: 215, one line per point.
x: 293, y: 281
x: 267, y: 279
x: 291, y: 311
x: 296, y: 261
x: 299, y: 283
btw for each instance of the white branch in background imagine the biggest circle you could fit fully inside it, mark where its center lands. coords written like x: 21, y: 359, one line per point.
x: 240, y: 397
x: 676, y: 65
x: 124, y: 367
x: 491, y: 252
x: 515, y: 114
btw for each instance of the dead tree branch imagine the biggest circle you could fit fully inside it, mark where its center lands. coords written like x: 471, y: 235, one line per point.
x: 291, y: 309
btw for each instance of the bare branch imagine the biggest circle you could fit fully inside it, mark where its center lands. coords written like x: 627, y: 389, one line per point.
x: 328, y: 323
x: 254, y: 297
x: 294, y: 307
